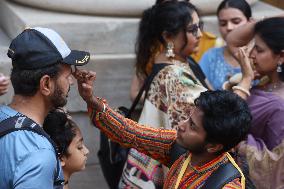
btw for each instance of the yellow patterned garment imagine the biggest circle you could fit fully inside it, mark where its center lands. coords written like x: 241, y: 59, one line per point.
x: 207, y: 41
x: 156, y: 143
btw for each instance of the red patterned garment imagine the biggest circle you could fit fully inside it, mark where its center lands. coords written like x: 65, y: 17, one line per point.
x: 157, y: 144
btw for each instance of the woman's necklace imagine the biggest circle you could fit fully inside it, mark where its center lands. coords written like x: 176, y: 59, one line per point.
x: 266, y: 85
x: 270, y: 87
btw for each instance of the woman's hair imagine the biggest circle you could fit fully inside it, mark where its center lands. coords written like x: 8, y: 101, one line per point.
x: 61, y: 130
x: 241, y: 5
x: 271, y: 31
x: 169, y: 16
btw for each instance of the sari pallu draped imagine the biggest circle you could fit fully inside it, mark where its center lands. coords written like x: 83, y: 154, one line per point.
x: 264, y: 147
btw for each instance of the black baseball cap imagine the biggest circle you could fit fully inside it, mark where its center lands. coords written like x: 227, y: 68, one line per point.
x: 40, y: 47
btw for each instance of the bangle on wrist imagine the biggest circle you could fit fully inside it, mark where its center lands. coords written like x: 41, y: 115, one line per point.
x: 245, y: 91
x: 103, y: 104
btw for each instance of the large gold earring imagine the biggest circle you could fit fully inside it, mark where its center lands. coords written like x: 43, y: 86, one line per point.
x: 170, y: 50
x: 279, y: 68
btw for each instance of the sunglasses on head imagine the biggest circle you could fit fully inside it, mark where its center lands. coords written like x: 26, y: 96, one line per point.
x: 194, y: 28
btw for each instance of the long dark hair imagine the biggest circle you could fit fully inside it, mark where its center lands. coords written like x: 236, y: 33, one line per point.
x: 61, y: 130
x: 271, y: 31
x: 170, y: 16
x: 241, y: 5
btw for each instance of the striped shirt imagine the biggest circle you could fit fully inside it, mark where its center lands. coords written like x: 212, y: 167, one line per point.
x: 157, y: 144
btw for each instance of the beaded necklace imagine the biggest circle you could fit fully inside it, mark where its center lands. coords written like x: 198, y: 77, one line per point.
x: 265, y: 84
x: 273, y: 86
x: 187, y: 163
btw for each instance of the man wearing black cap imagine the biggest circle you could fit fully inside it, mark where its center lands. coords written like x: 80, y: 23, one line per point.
x: 41, y: 77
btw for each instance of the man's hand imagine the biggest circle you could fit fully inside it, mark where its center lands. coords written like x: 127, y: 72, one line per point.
x: 85, y: 80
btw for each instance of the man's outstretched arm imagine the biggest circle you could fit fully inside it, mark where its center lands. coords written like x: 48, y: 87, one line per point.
x: 156, y: 143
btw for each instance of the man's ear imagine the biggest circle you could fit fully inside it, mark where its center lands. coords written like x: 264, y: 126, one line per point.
x: 46, y: 85
x: 214, y: 148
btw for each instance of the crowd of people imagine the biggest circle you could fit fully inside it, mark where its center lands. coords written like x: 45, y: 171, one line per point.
x: 197, y: 128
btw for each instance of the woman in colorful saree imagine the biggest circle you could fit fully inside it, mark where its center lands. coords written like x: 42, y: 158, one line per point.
x: 264, y: 147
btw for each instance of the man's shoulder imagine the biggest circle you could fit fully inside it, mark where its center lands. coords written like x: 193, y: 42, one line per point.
x: 6, y: 112
x: 20, y: 143
x: 32, y: 169
x: 25, y: 141
x: 24, y: 152
x: 24, y: 138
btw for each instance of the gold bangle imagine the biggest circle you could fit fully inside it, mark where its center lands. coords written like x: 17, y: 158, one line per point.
x: 237, y: 87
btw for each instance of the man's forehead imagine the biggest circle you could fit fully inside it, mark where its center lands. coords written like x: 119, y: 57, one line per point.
x: 64, y: 68
x: 197, y: 111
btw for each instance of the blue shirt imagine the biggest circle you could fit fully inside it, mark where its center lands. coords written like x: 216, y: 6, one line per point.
x: 215, y: 67
x: 27, y: 159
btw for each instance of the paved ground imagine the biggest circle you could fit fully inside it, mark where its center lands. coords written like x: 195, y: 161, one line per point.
x: 91, y: 178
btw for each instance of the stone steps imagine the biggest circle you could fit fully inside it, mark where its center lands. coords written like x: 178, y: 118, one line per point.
x: 114, y: 73
x: 4, y: 44
x: 4, y: 39
x: 100, y: 35
x: 90, y: 178
x: 97, y: 34
x: 110, y: 41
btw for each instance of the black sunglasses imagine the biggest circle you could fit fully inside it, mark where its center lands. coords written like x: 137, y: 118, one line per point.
x: 194, y: 28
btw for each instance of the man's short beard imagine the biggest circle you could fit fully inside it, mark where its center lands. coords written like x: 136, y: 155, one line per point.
x: 197, y: 149
x: 58, y: 99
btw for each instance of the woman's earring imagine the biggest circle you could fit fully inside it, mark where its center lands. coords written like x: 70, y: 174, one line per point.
x: 279, y: 68
x: 170, y: 50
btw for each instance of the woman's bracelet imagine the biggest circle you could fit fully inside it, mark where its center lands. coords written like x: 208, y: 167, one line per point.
x: 103, y: 103
x: 237, y: 87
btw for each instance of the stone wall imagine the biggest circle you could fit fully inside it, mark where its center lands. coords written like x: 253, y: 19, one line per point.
x: 113, y: 8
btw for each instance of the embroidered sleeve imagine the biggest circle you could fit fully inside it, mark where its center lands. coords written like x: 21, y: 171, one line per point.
x: 155, y: 143
x: 235, y: 184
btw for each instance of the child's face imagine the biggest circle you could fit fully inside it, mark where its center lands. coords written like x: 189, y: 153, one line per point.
x: 77, y: 158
